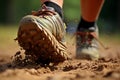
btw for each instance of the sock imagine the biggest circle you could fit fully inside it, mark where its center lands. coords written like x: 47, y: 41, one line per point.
x: 57, y: 8
x: 85, y: 24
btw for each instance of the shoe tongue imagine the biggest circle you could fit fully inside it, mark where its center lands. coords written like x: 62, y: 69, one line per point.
x: 44, y: 8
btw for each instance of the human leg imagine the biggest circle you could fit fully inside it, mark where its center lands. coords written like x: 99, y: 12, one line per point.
x: 56, y: 4
x: 87, y: 31
x: 91, y: 9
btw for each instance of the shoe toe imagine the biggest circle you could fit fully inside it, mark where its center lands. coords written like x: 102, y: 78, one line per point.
x: 88, y: 53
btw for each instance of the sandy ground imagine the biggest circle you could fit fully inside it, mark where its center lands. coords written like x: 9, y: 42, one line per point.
x: 106, y: 68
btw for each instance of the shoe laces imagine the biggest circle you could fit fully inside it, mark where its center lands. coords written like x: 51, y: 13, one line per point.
x: 87, y: 37
x: 44, y: 11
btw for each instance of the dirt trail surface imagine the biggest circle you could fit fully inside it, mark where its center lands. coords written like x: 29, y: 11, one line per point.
x: 106, y: 68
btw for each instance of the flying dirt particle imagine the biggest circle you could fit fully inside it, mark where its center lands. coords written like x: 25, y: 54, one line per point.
x: 68, y: 68
x: 97, y: 67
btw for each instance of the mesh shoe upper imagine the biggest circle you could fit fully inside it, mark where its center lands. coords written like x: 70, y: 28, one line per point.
x: 86, y: 43
x: 48, y: 19
x: 42, y: 35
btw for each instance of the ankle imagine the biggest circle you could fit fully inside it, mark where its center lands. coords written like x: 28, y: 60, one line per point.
x: 85, y: 24
x: 57, y: 8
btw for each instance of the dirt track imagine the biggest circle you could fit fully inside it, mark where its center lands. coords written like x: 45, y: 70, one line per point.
x: 107, y: 68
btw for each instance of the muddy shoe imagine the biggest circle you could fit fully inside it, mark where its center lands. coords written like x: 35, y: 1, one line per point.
x: 41, y: 35
x: 86, y: 44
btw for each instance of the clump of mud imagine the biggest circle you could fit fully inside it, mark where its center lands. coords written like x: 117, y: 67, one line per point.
x: 22, y: 59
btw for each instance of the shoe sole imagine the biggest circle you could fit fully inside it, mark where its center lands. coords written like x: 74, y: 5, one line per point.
x: 39, y: 42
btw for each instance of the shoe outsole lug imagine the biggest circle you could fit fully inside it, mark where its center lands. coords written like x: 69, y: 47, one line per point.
x: 47, y: 44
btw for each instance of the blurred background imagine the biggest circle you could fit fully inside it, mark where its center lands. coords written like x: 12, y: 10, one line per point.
x: 11, y: 12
